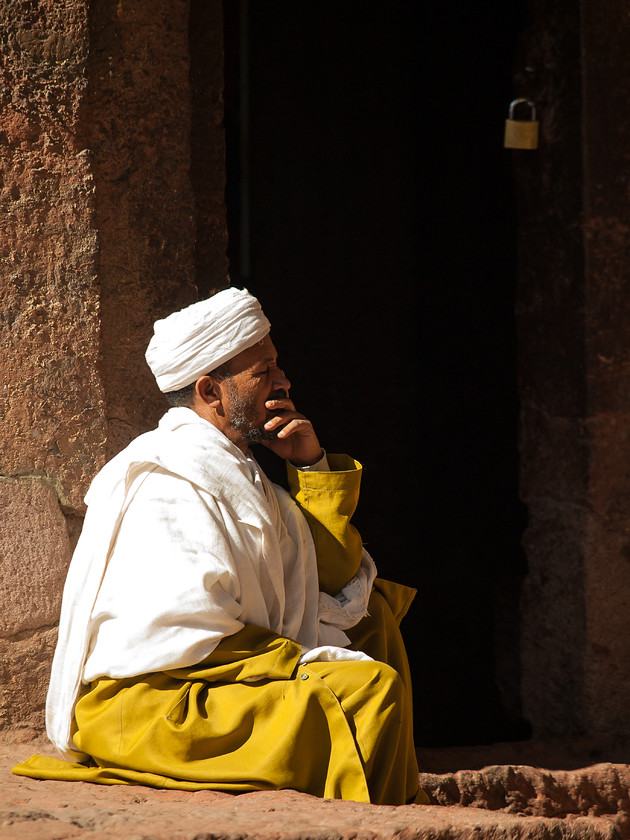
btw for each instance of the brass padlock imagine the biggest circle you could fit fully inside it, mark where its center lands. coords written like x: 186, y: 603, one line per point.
x: 521, y: 134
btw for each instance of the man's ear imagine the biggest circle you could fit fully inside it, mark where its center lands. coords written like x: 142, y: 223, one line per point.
x: 208, y: 390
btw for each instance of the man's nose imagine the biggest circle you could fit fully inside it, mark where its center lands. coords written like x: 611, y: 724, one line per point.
x: 280, y: 381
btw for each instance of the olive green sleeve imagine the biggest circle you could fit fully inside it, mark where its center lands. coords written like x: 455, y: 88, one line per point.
x: 328, y: 501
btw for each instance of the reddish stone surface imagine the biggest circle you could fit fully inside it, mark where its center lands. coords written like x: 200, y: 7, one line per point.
x: 574, y: 319
x: 591, y: 791
x: 51, y: 410
x: 31, y: 586
x: 137, y: 128
x: 35, y: 551
x: 97, y: 241
x: 63, y: 810
x: 52, y: 423
x: 23, y: 695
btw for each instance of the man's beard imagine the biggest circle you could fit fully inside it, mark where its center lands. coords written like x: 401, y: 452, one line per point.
x: 243, y: 413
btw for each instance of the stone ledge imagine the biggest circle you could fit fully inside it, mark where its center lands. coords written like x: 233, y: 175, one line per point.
x: 32, y: 810
x: 599, y: 790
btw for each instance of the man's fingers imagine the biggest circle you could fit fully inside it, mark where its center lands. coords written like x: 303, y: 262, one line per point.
x: 280, y: 404
x: 295, y: 438
x: 286, y: 411
x: 299, y: 424
x: 286, y: 420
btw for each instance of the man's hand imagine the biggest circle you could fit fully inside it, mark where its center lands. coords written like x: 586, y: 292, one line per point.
x: 296, y: 441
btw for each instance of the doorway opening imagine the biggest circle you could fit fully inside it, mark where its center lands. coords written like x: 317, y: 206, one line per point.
x: 370, y: 207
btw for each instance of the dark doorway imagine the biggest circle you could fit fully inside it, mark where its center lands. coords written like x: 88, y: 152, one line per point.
x: 370, y: 206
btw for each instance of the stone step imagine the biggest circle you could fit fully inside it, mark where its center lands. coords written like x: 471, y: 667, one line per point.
x: 599, y: 790
x: 36, y: 810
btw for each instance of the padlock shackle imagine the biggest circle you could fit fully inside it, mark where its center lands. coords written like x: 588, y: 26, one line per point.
x: 527, y: 102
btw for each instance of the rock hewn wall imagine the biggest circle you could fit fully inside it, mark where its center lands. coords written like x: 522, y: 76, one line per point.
x: 138, y: 133
x: 97, y: 239
x: 52, y: 415
x: 574, y: 316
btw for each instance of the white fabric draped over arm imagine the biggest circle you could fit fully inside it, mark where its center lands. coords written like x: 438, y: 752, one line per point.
x: 170, y: 586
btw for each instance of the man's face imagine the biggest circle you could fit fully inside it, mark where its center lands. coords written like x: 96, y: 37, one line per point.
x: 255, y: 379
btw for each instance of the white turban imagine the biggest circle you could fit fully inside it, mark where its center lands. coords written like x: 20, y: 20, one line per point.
x: 198, y: 339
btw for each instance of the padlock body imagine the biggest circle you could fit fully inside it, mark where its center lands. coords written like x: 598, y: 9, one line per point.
x: 521, y: 134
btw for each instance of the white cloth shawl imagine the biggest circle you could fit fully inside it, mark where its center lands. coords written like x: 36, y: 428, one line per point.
x: 200, y: 553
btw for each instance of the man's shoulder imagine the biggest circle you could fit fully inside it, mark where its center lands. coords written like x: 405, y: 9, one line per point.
x: 184, y: 446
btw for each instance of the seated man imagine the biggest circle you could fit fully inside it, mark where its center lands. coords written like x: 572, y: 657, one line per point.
x: 217, y: 632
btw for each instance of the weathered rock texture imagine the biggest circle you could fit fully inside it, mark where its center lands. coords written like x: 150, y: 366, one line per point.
x: 138, y: 133
x: 52, y: 419
x: 52, y: 415
x: 35, y: 550
x: 596, y: 791
x: 31, y: 810
x: 574, y: 320
x: 97, y: 240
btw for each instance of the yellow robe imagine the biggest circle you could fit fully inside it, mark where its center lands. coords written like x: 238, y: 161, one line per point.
x: 249, y: 717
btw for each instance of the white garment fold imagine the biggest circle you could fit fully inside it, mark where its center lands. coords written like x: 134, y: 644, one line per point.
x: 181, y: 548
